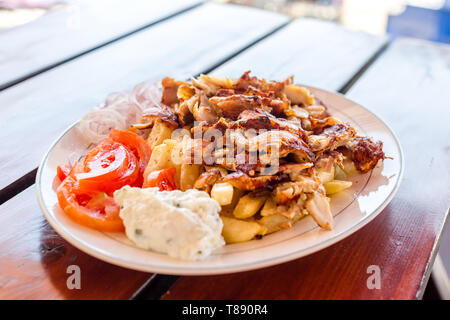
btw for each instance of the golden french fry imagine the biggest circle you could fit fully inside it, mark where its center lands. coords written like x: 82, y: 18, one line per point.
x: 235, y: 230
x: 269, y: 208
x: 161, y: 158
x: 349, y: 167
x: 159, y: 133
x: 222, y: 193
x: 189, y: 173
x: 229, y: 208
x: 275, y: 222
x: 339, y: 174
x: 247, y: 206
x: 336, y: 186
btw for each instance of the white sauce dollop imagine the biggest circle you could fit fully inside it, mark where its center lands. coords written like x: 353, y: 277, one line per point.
x: 184, y: 225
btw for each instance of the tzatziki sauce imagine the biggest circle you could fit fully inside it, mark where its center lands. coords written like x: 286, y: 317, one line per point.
x: 182, y: 224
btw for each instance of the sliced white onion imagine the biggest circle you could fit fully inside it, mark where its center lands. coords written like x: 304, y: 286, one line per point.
x: 147, y: 94
x: 119, y: 111
x: 123, y: 104
x: 95, y: 125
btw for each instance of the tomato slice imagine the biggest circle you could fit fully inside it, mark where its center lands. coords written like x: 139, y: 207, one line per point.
x: 139, y: 147
x: 107, y: 167
x: 85, y: 191
x: 98, y: 216
x: 102, y: 201
x: 163, y: 179
x: 63, y: 171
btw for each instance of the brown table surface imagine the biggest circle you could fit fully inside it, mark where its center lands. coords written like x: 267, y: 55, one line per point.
x: 405, y: 82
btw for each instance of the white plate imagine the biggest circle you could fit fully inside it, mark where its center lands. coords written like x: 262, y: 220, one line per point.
x: 352, y: 209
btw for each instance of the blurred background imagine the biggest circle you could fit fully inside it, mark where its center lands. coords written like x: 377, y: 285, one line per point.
x: 424, y: 19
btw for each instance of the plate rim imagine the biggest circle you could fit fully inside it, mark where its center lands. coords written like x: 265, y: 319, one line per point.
x: 85, y: 247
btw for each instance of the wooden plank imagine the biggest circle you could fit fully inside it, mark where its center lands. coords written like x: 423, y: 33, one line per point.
x: 34, y: 260
x: 415, y: 101
x: 317, y: 53
x: 36, y: 111
x: 70, y: 30
x: 407, y: 86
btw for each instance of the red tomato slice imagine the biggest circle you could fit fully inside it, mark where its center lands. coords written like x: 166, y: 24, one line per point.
x: 107, y: 167
x: 138, y: 145
x: 163, y: 179
x: 105, y: 219
x: 63, y: 171
x: 85, y: 192
x: 102, y: 201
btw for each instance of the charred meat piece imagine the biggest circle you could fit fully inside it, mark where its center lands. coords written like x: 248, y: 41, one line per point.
x: 210, y: 84
x: 232, y: 106
x: 170, y: 88
x: 332, y: 137
x: 258, y: 119
x: 299, y: 95
x: 203, y: 111
x: 294, y: 170
x: 161, y: 112
x: 207, y: 179
x: 184, y: 110
x: 245, y: 81
x: 317, y: 112
x: 318, y: 125
x: 243, y: 181
x: 366, y: 153
x: 287, y: 191
x: 279, y: 107
x: 278, y: 143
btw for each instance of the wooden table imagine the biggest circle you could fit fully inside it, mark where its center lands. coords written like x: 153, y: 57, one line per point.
x: 52, y: 72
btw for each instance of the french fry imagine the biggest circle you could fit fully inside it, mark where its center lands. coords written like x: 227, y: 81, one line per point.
x: 189, y: 173
x: 228, y: 209
x: 222, y: 193
x: 275, y: 222
x: 235, y: 230
x: 336, y: 186
x: 349, y: 167
x: 161, y: 158
x: 269, y: 208
x: 247, y: 206
x: 339, y: 174
x: 159, y: 133
x: 173, y: 148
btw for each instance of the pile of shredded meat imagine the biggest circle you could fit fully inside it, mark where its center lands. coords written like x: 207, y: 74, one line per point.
x: 307, y: 137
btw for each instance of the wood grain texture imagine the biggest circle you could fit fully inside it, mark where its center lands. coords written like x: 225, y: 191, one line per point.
x: 408, y: 87
x: 34, y: 260
x: 34, y: 112
x: 70, y: 30
x: 317, y: 53
x: 414, y: 77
